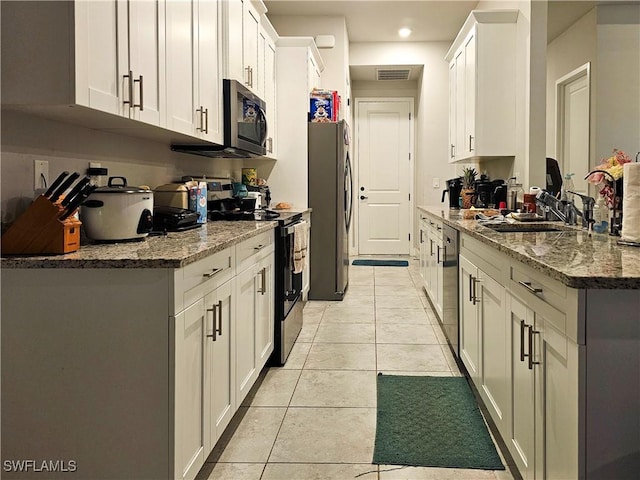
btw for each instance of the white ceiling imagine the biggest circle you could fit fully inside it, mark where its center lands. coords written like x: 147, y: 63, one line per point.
x: 379, y: 20
x: 429, y: 20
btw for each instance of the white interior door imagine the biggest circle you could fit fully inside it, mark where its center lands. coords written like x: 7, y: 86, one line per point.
x: 384, y: 177
x: 573, y: 134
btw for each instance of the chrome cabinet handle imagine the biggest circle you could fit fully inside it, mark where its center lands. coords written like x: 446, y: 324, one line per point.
x: 471, y: 288
x: 141, y: 104
x: 258, y: 247
x: 263, y: 281
x: 438, y: 228
x: 528, y: 286
x: 201, y: 112
x: 430, y: 247
x: 206, y: 120
x: 437, y: 253
x: 470, y: 138
x: 474, y: 297
x: 270, y: 144
x: 219, y: 329
x: 421, y: 239
x: 130, y: 101
x: 213, y: 323
x: 522, y: 327
x: 532, y: 332
x: 452, y: 151
x: 212, y: 272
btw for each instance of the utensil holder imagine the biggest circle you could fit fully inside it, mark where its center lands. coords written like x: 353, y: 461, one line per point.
x: 39, y: 231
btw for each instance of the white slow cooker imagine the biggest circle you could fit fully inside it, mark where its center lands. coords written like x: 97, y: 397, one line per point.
x: 118, y: 212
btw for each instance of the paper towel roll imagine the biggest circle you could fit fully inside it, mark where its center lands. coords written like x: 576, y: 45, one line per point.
x: 631, y: 203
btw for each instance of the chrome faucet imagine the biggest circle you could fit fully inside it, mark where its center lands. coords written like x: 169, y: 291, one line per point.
x: 587, y: 208
x: 616, y: 217
x: 563, y: 210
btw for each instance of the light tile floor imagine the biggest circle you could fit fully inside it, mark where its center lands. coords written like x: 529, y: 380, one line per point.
x: 315, y: 418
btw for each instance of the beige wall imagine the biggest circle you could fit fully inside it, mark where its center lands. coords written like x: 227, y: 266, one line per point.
x: 68, y: 147
x: 569, y: 51
x: 336, y: 59
x: 431, y: 108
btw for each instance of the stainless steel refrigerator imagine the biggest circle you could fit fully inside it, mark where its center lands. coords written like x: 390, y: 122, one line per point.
x: 330, y: 190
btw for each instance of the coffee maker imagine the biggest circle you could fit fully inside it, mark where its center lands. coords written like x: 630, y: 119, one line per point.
x: 454, y: 186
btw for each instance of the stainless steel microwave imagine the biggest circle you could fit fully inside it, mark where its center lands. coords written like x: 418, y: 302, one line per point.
x: 245, y: 121
x: 245, y: 126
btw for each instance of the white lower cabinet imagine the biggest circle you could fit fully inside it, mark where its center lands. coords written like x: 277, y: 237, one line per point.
x: 220, y: 345
x: 190, y: 401
x: 255, y: 311
x: 432, y: 261
x: 222, y: 340
x: 544, y: 393
x: 518, y: 342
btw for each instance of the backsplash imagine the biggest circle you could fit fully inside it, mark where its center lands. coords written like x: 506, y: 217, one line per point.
x: 27, y: 138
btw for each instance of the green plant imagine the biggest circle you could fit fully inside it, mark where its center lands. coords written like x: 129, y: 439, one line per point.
x: 468, y: 177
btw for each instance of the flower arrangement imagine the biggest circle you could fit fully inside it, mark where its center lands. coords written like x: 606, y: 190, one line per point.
x: 614, y: 167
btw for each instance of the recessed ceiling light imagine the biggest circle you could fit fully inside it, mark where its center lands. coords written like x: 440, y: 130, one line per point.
x: 404, y: 32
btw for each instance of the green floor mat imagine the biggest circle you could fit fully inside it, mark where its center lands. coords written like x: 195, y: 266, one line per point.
x: 431, y: 422
x: 381, y: 263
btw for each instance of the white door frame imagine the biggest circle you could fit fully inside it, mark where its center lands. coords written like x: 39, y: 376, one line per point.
x: 355, y: 233
x: 561, y: 83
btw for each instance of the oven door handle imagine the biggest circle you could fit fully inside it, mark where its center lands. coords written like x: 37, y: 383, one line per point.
x: 288, y: 230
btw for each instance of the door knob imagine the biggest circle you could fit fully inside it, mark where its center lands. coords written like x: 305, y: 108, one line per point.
x: 362, y: 197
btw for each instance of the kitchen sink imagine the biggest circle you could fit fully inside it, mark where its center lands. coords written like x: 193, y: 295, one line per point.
x: 524, y: 227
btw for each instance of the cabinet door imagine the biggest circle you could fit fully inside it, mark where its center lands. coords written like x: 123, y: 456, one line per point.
x: 270, y: 96
x: 98, y: 73
x: 208, y: 119
x: 313, y: 75
x: 452, y: 110
x: 469, y: 321
x: 247, y: 283
x: 146, y: 59
x: 459, y: 104
x: 521, y: 438
x: 556, y: 402
x: 495, y: 390
x: 250, y: 29
x: 424, y: 251
x: 439, y: 276
x: 190, y: 442
x: 260, y: 73
x: 220, y: 349
x: 180, y: 66
x: 264, y: 311
x: 469, y: 94
x: 234, y: 39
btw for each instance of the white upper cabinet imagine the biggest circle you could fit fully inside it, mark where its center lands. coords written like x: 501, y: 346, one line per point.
x: 250, y: 34
x: 181, y: 65
x: 269, y: 76
x: 144, y: 76
x: 242, y: 37
x: 209, y: 78
x: 194, y: 84
x: 107, y: 56
x: 482, y: 93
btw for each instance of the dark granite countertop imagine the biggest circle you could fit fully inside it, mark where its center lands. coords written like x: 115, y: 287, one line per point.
x: 570, y: 256
x: 174, y: 250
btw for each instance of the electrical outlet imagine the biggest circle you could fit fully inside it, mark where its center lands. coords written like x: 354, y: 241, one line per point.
x: 40, y: 174
x: 436, y: 182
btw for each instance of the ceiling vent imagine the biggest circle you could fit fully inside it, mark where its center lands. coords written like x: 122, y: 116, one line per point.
x: 393, y: 73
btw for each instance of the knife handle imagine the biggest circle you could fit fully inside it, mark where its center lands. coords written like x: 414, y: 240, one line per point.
x: 56, y: 183
x: 65, y: 185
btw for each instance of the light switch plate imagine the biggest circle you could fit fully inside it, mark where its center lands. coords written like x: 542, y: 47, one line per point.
x: 40, y: 174
x: 436, y: 182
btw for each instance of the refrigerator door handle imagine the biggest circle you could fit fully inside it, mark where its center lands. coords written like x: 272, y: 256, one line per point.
x: 348, y: 194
